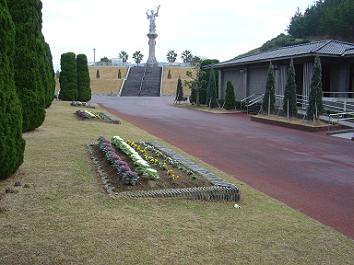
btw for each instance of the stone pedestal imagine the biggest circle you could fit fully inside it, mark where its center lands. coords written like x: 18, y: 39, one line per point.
x: 152, y: 43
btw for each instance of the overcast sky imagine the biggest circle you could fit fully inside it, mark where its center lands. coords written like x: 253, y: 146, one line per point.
x: 212, y: 29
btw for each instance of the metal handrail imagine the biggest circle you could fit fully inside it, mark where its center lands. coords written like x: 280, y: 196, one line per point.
x: 246, y: 98
x: 142, y: 81
x: 254, y: 101
x: 331, y: 122
x: 123, y: 83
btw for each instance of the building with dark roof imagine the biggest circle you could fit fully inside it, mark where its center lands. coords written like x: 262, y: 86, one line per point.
x: 249, y: 73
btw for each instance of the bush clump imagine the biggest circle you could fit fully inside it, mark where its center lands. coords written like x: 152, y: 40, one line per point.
x: 230, y: 102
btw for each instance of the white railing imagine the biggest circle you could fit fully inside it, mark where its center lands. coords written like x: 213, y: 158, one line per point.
x: 342, y: 116
x: 124, y: 80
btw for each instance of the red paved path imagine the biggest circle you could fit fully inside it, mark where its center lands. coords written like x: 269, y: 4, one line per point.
x: 311, y: 172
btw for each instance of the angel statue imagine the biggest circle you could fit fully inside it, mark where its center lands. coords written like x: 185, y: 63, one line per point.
x: 152, y: 16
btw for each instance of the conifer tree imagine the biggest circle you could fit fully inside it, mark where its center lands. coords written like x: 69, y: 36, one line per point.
x: 230, y: 101
x: 119, y: 74
x: 27, y: 18
x: 50, y: 75
x: 179, y: 91
x: 169, y: 76
x: 98, y: 74
x: 12, y: 144
x: 290, y: 92
x: 68, y: 77
x: 83, y: 78
x: 315, y: 101
x: 212, y: 101
x: 268, y: 104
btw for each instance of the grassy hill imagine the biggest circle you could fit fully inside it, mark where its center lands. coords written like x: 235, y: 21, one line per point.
x: 169, y: 85
x: 108, y: 82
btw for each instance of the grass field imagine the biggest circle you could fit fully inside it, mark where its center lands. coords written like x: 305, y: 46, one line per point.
x: 64, y: 218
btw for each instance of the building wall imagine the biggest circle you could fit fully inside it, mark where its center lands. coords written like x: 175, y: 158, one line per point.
x: 340, y: 78
x: 257, y: 79
x: 237, y: 78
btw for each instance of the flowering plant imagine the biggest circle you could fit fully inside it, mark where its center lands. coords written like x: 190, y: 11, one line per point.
x: 127, y: 175
x: 142, y: 167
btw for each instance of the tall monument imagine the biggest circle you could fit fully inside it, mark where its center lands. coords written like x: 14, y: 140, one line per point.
x: 152, y: 35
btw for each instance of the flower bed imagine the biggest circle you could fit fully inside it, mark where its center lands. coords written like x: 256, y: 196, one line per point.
x: 178, y: 177
x: 123, y: 170
x: 82, y: 104
x: 85, y: 114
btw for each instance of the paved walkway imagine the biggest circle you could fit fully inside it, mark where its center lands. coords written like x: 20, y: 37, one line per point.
x: 311, y: 172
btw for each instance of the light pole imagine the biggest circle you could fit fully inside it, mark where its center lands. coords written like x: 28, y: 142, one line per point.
x: 94, y: 56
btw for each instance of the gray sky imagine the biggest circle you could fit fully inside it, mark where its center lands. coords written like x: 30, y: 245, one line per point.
x: 213, y: 29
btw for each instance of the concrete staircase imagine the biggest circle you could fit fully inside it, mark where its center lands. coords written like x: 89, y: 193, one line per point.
x: 143, y: 81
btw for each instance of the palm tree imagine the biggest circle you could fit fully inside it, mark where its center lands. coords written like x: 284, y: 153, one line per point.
x: 138, y: 57
x: 124, y: 56
x: 171, y: 56
x: 187, y: 57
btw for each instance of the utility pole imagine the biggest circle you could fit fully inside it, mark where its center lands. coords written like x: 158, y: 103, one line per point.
x: 94, y: 56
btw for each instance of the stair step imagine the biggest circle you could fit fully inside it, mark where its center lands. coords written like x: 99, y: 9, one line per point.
x: 149, y: 84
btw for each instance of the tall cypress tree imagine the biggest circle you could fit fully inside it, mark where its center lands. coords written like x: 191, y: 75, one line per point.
x: 269, y: 94
x: 212, y: 102
x: 83, y: 78
x: 315, y: 101
x: 27, y: 18
x: 68, y: 77
x: 12, y: 144
x: 290, y: 92
x: 179, y: 91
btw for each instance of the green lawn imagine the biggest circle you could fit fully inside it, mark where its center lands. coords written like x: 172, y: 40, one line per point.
x: 64, y: 218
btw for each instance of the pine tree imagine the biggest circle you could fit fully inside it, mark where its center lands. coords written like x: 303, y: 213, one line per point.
x: 26, y: 15
x: 119, y: 74
x: 212, y: 102
x: 268, y: 104
x: 98, y: 74
x: 230, y: 102
x: 290, y: 92
x: 169, y: 76
x: 315, y: 101
x: 12, y: 144
x: 179, y: 91
x: 68, y: 77
x: 83, y: 78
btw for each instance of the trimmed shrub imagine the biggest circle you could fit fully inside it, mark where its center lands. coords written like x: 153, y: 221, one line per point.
x: 28, y: 63
x: 119, y: 74
x: 12, y: 144
x: 98, y: 74
x: 68, y: 77
x: 50, y: 75
x: 229, y: 97
x: 169, y: 76
x: 83, y: 78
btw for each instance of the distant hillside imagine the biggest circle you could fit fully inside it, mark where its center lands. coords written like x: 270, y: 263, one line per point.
x: 331, y: 19
x: 281, y: 40
x: 325, y: 19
